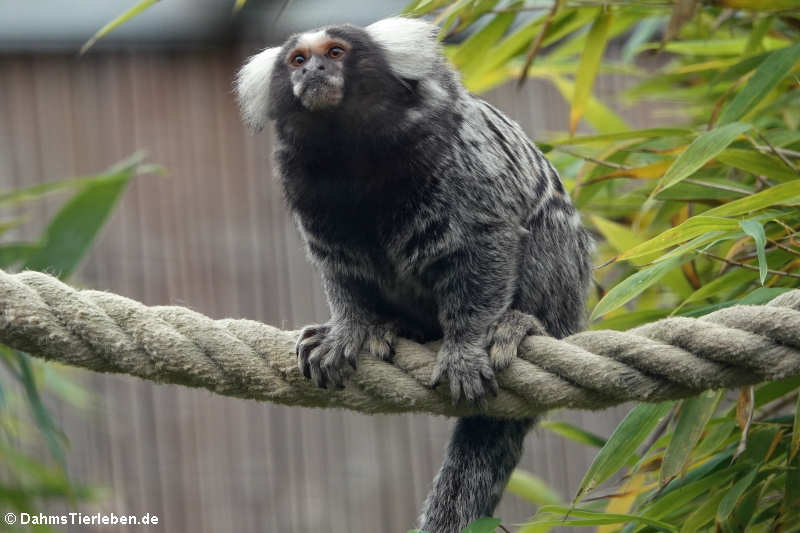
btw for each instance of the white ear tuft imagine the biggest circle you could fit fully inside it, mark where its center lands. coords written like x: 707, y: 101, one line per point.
x: 252, y: 87
x: 410, y: 44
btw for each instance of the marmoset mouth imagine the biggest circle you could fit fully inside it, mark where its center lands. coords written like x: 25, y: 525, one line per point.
x: 320, y: 93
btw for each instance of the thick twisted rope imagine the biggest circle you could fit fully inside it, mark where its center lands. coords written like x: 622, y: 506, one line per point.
x: 668, y: 359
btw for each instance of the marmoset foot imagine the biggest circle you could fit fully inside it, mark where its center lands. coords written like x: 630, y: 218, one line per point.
x: 324, y: 351
x: 468, y: 371
x: 506, y: 334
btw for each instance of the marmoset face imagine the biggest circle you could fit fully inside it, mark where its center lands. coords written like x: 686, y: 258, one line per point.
x: 343, y: 70
x: 316, y: 69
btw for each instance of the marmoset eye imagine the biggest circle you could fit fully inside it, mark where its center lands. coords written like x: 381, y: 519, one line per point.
x: 335, y: 52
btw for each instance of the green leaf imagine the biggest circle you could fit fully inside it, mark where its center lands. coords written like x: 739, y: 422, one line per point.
x: 703, y: 514
x: 757, y: 163
x: 624, y: 135
x: 719, y: 430
x: 595, y: 45
x: 760, y: 29
x: 643, y: 32
x: 619, y: 236
x: 621, y: 447
x: 695, y: 226
x: 694, y: 415
x: 700, y: 152
x: 573, y: 433
x: 52, y: 434
x: 532, y: 488
x: 739, y: 69
x: 22, y: 194
x: 598, y: 115
x: 630, y: 320
x: 482, y: 525
x: 732, y: 496
x: 714, y: 47
x: 634, y: 285
x: 790, y: 506
x: 785, y: 193
x: 756, y: 231
x: 688, y: 492
x: 15, y: 252
x: 773, y: 390
x: 122, y: 19
x: 764, y: 79
x: 469, y: 56
x: 507, y: 48
x: 795, y: 446
x: 6, y: 225
x: 70, y: 233
x: 593, y: 518
x: 729, y: 281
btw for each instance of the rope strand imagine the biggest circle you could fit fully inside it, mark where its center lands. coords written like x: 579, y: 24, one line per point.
x: 667, y: 359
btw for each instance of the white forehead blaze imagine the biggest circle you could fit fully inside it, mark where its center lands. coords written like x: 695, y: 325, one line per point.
x: 410, y: 45
x: 312, y: 39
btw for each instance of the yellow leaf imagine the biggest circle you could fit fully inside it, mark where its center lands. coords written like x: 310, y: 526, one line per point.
x: 122, y: 19
x: 622, y: 503
x: 587, y: 70
x: 653, y: 170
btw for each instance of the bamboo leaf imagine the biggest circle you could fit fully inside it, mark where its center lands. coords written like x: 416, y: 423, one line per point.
x: 122, y: 19
x: 54, y: 437
x: 507, y: 48
x: 597, y: 114
x: 757, y: 163
x: 695, y: 226
x: 653, y: 170
x: 532, y: 488
x: 755, y: 229
x: 732, y: 496
x: 623, y: 501
x: 573, y: 433
x: 631, y: 319
x: 593, y: 518
x: 739, y: 69
x: 733, y: 279
x: 759, y: 5
x: 694, y: 416
x: 701, y: 151
x: 771, y: 71
x: 469, y: 56
x: 703, y: 514
x: 587, y: 69
x: 621, y: 446
x: 15, y: 252
x: 70, y: 233
x: 482, y: 525
x: 714, y: 47
x: 624, y: 135
x: 619, y: 236
x: 634, y: 285
x: 643, y: 32
x: 795, y: 447
x: 785, y: 193
x: 23, y: 194
x: 760, y: 29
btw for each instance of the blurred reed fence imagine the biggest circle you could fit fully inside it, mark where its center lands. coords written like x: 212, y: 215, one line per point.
x: 213, y: 235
